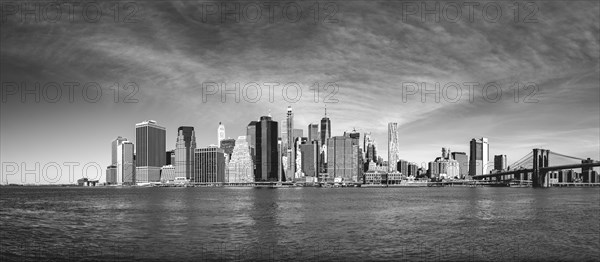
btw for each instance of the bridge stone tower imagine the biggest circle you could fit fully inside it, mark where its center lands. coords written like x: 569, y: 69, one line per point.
x: 540, y: 159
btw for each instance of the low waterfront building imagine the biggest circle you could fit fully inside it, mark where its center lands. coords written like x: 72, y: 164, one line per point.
x: 167, y: 174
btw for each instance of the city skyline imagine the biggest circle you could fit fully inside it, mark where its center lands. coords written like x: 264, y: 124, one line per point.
x: 367, y: 57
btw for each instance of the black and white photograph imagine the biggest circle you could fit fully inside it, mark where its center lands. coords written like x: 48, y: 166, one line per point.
x: 300, y: 130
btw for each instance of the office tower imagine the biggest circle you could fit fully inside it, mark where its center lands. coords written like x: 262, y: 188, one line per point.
x: 228, y: 145
x: 393, y: 150
x: 220, y: 133
x: 313, y: 132
x: 184, y: 152
x: 289, y: 142
x: 500, y: 163
x: 298, y: 141
x: 310, y: 158
x: 463, y: 162
x: 115, y: 144
x: 280, y: 169
x: 251, y: 139
x: 479, y: 156
x: 111, y: 173
x: 170, y: 157
x: 343, y: 158
x: 412, y: 170
x: 325, y: 129
x: 240, y: 166
x: 402, y: 167
x: 167, y: 173
x: 209, y: 165
x: 267, y: 156
x: 126, y: 171
x: 150, y: 151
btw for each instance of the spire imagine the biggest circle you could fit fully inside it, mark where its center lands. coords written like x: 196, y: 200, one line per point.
x: 325, y: 110
x: 269, y: 112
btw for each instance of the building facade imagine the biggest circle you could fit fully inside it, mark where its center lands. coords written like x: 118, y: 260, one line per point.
x: 209, y: 165
x: 184, y: 152
x: 342, y: 154
x: 267, y: 161
x: 240, y: 168
x: 463, y: 163
x: 393, y: 147
x: 150, y: 151
x: 500, y: 163
x: 479, y: 156
x: 126, y: 171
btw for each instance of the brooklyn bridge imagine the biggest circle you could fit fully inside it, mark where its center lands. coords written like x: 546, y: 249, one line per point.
x: 535, y: 168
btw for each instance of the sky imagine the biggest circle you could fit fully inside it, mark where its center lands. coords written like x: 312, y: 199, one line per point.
x: 372, y: 62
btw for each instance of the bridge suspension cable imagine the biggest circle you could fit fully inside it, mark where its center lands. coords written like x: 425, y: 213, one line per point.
x: 571, y: 157
x: 522, y: 160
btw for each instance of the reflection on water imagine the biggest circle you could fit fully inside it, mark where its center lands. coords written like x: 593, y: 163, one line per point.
x: 299, y: 223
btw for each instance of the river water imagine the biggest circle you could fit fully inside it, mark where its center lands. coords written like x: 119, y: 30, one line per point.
x: 322, y: 224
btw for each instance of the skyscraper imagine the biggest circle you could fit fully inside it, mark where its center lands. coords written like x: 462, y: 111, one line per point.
x: 500, y: 163
x: 289, y: 144
x: 313, y: 132
x: 240, y: 166
x: 251, y: 139
x: 393, y: 151
x: 220, y: 133
x: 115, y: 144
x: 209, y: 165
x: 325, y: 134
x: 267, y: 153
x: 126, y: 171
x: 479, y: 156
x: 150, y: 151
x: 342, y: 154
x: 184, y: 152
x: 463, y: 162
x: 310, y: 158
x: 170, y: 157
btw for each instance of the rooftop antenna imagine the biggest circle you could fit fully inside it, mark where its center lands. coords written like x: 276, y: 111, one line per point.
x: 269, y: 112
x: 325, y: 110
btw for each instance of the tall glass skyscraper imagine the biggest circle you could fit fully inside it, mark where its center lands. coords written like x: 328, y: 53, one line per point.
x: 126, y: 171
x: 150, y: 141
x: 115, y: 144
x: 267, y: 153
x: 313, y: 132
x: 479, y: 156
x: 343, y: 159
x: 289, y: 144
x: 184, y: 152
x: 393, y: 149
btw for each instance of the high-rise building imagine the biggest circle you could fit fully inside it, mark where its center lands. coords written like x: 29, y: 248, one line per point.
x: 184, y: 152
x: 111, y: 174
x: 313, y: 132
x: 115, y: 144
x: 240, y: 166
x: 289, y: 143
x: 251, y: 139
x: 150, y: 151
x: 228, y: 145
x: 310, y: 158
x: 500, y: 163
x: 393, y: 150
x: 479, y: 156
x: 325, y: 134
x: 220, y: 133
x: 463, y: 162
x: 209, y: 165
x: 343, y: 159
x: 402, y: 167
x: 267, y: 161
x: 126, y: 170
x: 170, y: 157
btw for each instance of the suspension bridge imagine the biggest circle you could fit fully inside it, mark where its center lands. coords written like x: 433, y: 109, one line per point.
x: 535, y: 168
